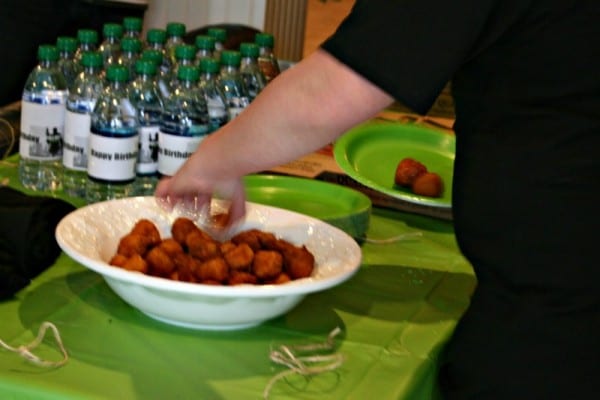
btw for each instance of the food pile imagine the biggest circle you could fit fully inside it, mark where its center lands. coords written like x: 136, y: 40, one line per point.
x: 413, y: 174
x: 192, y: 255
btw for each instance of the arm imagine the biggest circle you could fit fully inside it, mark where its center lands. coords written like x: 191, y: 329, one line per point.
x: 302, y: 110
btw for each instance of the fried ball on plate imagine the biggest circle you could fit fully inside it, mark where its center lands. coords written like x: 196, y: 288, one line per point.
x: 171, y: 247
x: 280, y: 279
x: 267, y: 264
x: 159, y: 262
x: 250, y: 237
x: 215, y: 269
x: 407, y: 171
x: 136, y: 263
x: 428, y: 184
x: 224, y: 247
x: 181, y: 228
x: 133, y: 243
x: 242, y: 278
x: 298, y: 261
x: 147, y: 228
x: 118, y: 260
x: 201, y: 246
x: 240, y: 257
x: 186, y: 266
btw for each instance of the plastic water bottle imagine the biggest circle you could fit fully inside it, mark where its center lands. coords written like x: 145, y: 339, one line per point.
x: 232, y: 84
x: 83, y: 95
x: 155, y: 40
x: 215, y: 98
x: 184, y: 122
x: 111, y: 45
x: 185, y: 54
x: 146, y: 98
x: 251, y: 74
x: 266, y: 60
x: 162, y: 76
x: 132, y: 27
x: 220, y: 36
x: 206, y: 47
x: 131, y: 47
x: 114, y: 140
x: 175, y: 33
x: 67, y: 64
x: 42, y: 123
x: 88, y: 41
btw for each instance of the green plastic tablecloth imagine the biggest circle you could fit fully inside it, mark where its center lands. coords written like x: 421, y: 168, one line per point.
x: 395, y: 314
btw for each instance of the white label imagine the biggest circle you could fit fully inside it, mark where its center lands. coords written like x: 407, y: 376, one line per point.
x: 174, y: 150
x: 75, y: 147
x: 112, y: 158
x: 41, y: 131
x: 148, y: 152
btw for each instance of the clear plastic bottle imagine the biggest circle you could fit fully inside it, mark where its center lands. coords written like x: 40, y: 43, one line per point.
x: 146, y: 98
x: 132, y: 27
x: 184, y: 122
x: 253, y: 77
x: 88, y: 41
x: 175, y: 33
x: 185, y: 54
x: 206, y: 47
x: 266, y: 59
x: 220, y: 36
x: 162, y: 76
x: 215, y: 98
x: 42, y: 123
x: 114, y: 140
x: 111, y: 43
x: 155, y: 40
x: 83, y: 95
x: 67, y: 64
x: 232, y: 84
x: 131, y: 47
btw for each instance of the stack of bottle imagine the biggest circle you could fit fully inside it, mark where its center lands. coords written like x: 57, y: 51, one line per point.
x: 105, y: 116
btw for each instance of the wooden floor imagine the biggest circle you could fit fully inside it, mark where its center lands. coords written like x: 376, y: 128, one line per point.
x: 322, y: 18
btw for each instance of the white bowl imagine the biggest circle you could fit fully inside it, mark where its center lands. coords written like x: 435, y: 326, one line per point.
x: 90, y: 235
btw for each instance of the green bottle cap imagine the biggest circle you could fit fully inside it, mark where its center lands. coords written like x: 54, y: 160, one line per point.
x: 117, y: 73
x: 231, y: 58
x: 112, y: 30
x: 264, y: 39
x: 175, y: 29
x: 249, y: 50
x: 132, y: 24
x: 219, y: 34
x: 208, y: 64
x: 66, y: 43
x: 131, y: 44
x: 145, y: 66
x: 185, y: 52
x: 205, y: 42
x: 156, y: 36
x: 89, y: 36
x: 47, y: 52
x: 156, y: 56
x: 188, y: 73
x: 91, y: 59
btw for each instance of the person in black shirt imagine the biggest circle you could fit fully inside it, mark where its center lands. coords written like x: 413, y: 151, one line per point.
x: 526, y: 85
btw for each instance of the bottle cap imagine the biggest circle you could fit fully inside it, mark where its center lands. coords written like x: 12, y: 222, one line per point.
x: 156, y: 36
x: 91, y: 59
x: 208, y: 64
x: 87, y: 36
x: 185, y: 52
x: 117, y: 73
x: 231, y: 58
x: 112, y: 30
x: 47, y: 52
x: 66, y: 43
x: 155, y: 56
x: 205, y: 42
x: 175, y: 29
x: 249, y: 50
x: 264, y: 39
x: 219, y: 34
x: 145, y: 66
x: 188, y: 73
x: 132, y: 24
x: 131, y: 44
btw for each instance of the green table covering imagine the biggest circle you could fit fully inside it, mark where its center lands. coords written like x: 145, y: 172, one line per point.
x: 395, y: 314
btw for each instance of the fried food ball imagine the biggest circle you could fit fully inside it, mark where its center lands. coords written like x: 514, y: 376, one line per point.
x: 215, y: 269
x: 159, y: 262
x: 171, y: 247
x: 118, y: 260
x: 136, y: 263
x: 224, y: 247
x: 280, y: 279
x: 147, y: 228
x: 186, y: 267
x: 250, y: 237
x: 267, y: 264
x: 133, y: 243
x: 298, y: 261
x: 201, y: 247
x: 428, y: 184
x: 239, y: 257
x: 407, y: 171
x: 242, y: 278
x: 181, y: 228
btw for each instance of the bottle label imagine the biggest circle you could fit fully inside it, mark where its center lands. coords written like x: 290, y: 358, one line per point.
x: 174, y: 150
x: 42, y: 130
x: 112, y: 159
x: 217, y: 113
x: 75, y: 147
x: 147, y: 163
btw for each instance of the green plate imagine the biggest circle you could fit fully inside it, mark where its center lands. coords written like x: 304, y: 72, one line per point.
x: 337, y: 205
x: 371, y: 152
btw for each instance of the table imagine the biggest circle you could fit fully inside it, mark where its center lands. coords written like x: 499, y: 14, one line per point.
x: 395, y: 314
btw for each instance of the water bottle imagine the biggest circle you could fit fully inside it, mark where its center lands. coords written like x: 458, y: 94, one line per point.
x: 266, y: 60
x: 155, y: 40
x: 185, y: 54
x: 83, y: 95
x: 67, y: 64
x: 184, y: 122
x: 251, y: 74
x: 131, y: 48
x: 132, y: 27
x: 175, y: 33
x: 114, y: 140
x: 146, y: 98
x: 220, y: 36
x: 162, y: 76
x: 232, y: 84
x: 88, y: 41
x: 111, y: 45
x: 42, y: 123
x: 206, y: 47
x: 215, y: 98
